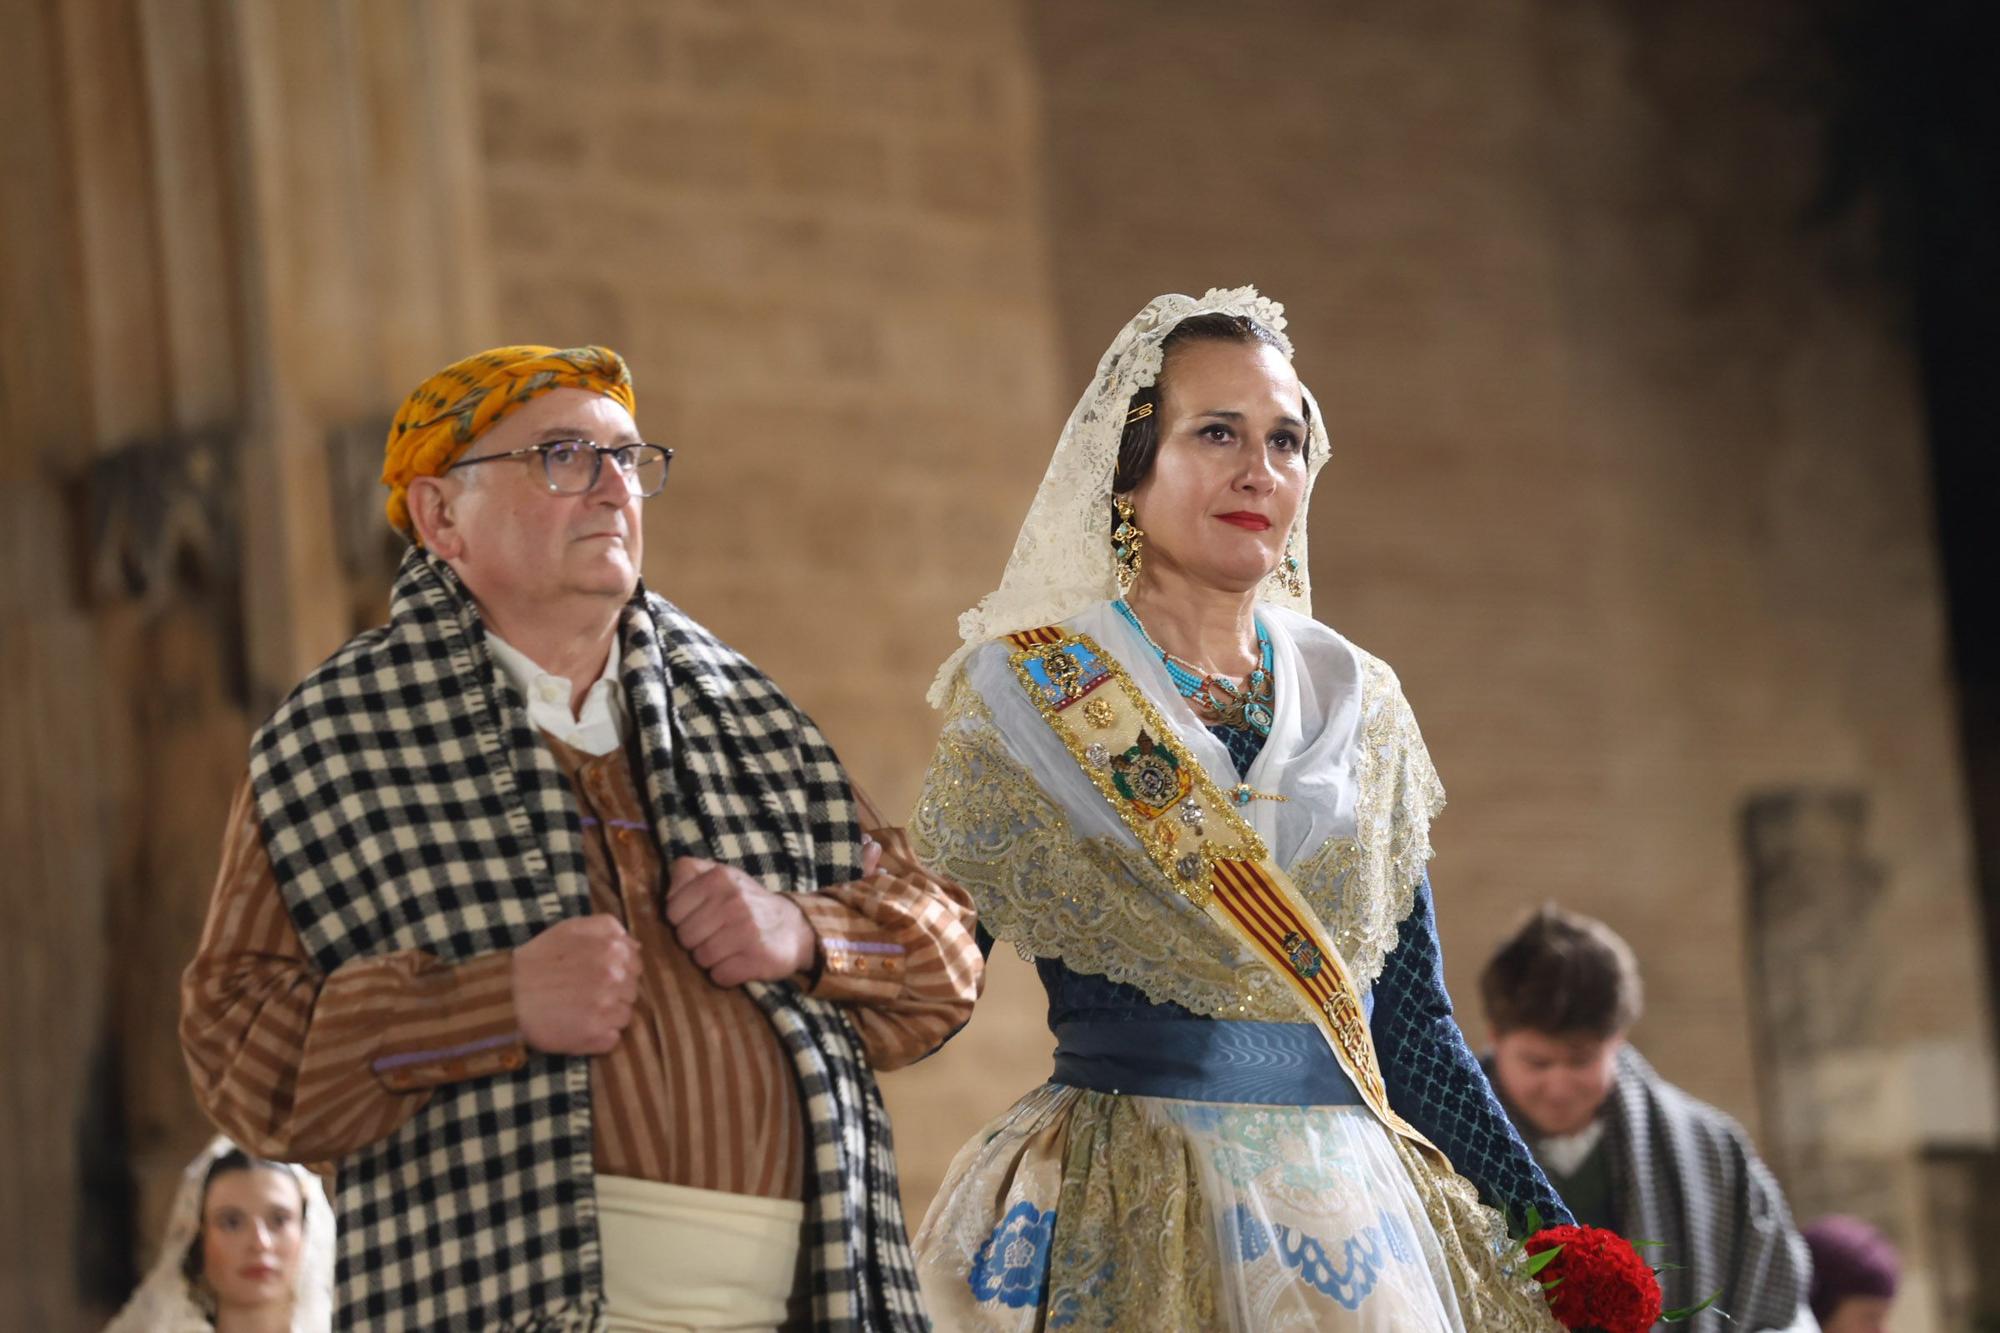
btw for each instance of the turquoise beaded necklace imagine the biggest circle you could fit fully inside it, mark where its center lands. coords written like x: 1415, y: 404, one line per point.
x: 1246, y: 706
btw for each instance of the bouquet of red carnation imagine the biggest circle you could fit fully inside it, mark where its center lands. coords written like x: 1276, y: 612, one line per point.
x: 1595, y: 1280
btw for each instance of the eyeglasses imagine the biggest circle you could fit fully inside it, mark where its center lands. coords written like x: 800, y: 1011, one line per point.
x: 573, y: 466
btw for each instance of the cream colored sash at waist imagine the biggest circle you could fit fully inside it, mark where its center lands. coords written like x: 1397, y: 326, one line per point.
x: 1196, y: 838
x: 680, y: 1258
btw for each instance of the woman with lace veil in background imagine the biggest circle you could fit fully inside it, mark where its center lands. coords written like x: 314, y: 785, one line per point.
x: 248, y: 1249
x: 1205, y: 817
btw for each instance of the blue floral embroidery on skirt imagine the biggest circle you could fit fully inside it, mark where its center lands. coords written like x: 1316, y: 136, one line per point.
x: 1362, y: 1253
x: 1013, y: 1265
x: 1350, y: 1285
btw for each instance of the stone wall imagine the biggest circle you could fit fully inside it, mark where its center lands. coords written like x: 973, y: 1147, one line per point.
x: 1628, y: 482
x: 222, y: 226
x: 814, y: 233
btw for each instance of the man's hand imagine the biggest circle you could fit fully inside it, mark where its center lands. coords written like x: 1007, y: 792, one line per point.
x: 574, y: 985
x: 737, y: 929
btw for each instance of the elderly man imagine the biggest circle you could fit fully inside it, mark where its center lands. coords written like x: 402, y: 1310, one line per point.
x: 549, y: 920
x: 1626, y: 1149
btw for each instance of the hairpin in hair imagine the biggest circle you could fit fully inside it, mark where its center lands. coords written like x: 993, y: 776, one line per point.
x: 1139, y: 413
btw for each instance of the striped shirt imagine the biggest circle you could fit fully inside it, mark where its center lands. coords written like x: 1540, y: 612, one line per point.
x: 698, y: 1092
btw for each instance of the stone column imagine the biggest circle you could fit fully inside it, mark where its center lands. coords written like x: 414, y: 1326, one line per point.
x: 234, y: 234
x: 1854, y: 1109
x: 1813, y: 896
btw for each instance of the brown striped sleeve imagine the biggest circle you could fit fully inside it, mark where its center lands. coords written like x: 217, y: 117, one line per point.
x: 898, y: 948
x: 305, y: 1067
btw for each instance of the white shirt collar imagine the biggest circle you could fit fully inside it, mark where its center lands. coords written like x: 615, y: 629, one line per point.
x: 1566, y: 1153
x: 597, y: 728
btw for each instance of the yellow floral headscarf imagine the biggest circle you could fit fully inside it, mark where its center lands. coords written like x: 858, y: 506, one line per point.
x: 451, y: 409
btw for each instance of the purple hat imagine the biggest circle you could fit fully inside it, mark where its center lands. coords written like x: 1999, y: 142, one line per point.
x: 1850, y: 1258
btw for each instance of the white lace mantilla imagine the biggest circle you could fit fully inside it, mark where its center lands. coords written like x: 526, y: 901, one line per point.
x: 1062, y: 559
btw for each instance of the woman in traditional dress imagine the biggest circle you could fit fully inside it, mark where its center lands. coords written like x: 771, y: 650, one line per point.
x: 248, y: 1249
x: 1206, y: 818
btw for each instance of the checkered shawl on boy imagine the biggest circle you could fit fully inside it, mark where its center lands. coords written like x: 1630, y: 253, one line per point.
x: 1689, y: 1180
x: 407, y: 802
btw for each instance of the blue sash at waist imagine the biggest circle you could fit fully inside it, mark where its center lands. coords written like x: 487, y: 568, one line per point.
x: 1199, y: 1060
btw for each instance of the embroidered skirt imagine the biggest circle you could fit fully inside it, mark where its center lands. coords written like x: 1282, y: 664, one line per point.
x: 1097, y: 1210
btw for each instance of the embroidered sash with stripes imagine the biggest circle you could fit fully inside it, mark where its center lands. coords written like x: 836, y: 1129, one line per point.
x: 1198, y: 840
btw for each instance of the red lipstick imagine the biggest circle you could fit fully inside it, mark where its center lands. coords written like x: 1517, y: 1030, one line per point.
x: 1246, y: 520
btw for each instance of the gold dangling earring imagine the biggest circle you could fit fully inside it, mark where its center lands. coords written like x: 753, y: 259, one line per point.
x: 1291, y: 576
x: 1127, y: 540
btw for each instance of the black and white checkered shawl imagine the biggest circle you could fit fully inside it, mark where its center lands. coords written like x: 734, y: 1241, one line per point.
x: 1687, y: 1177
x: 407, y: 803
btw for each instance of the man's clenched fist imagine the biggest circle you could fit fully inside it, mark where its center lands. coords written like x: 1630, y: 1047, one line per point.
x: 574, y: 985
x: 737, y: 929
